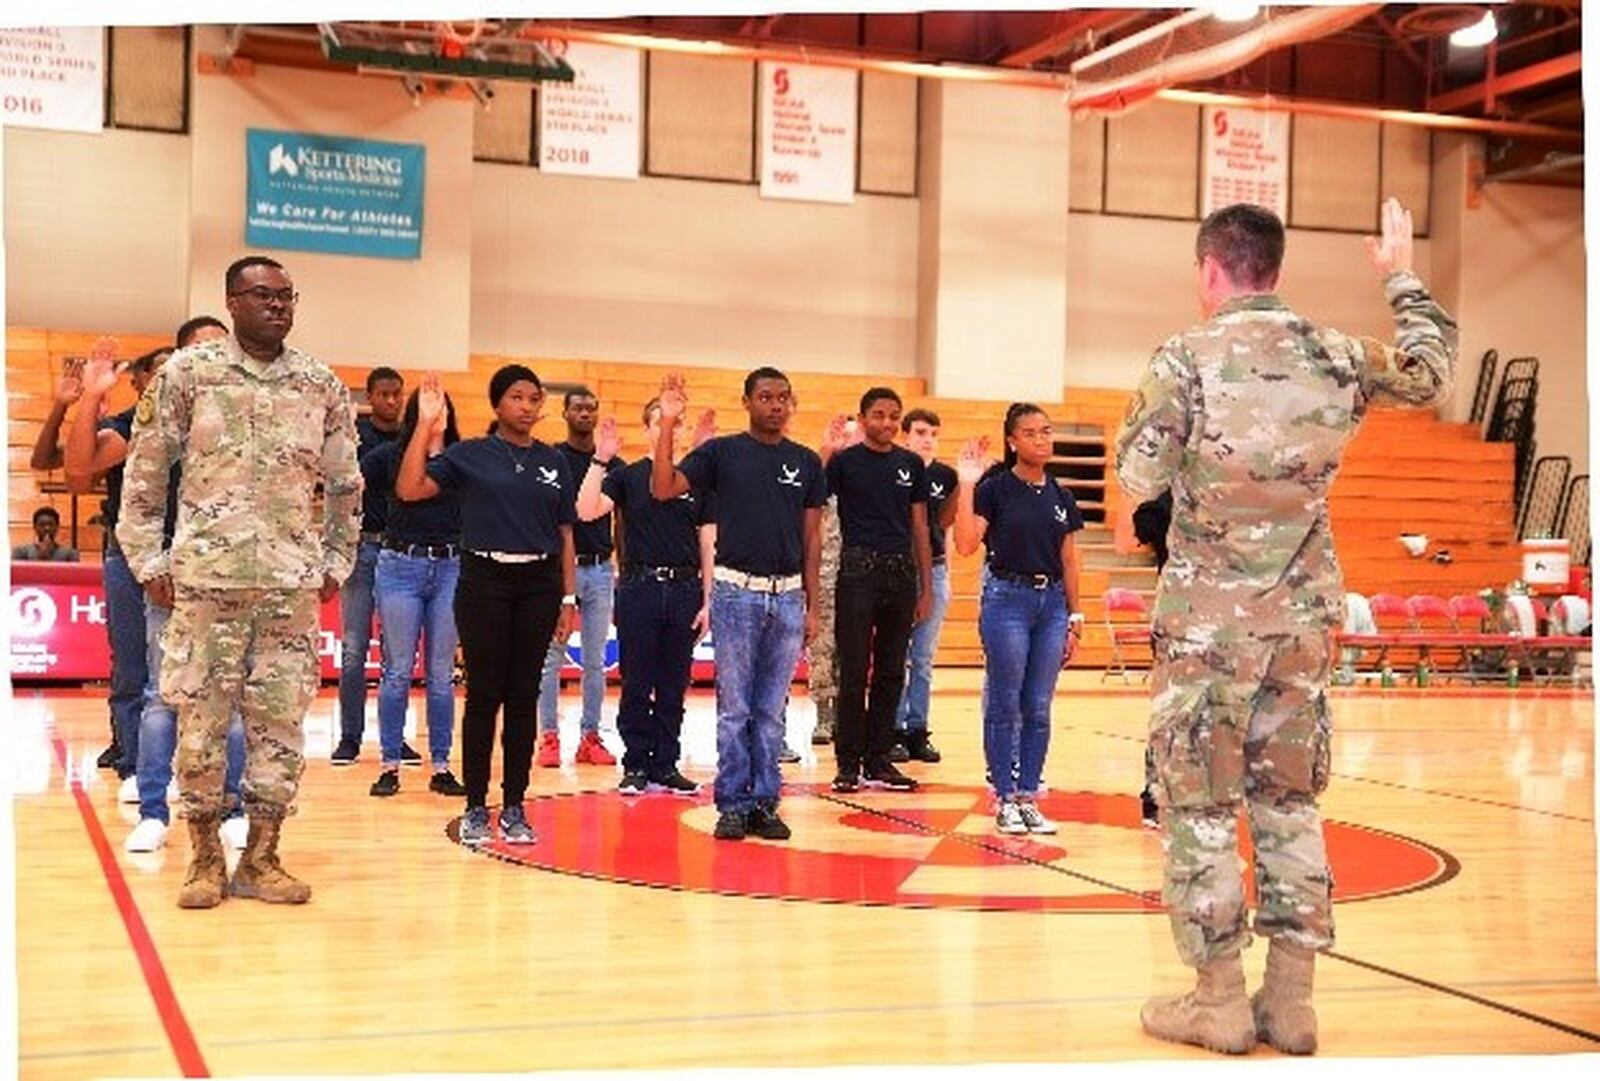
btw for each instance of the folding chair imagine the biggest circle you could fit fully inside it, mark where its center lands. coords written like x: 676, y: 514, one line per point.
x: 1127, y: 626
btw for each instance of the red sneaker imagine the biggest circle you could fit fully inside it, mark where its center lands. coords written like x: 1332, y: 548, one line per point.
x: 548, y: 753
x: 593, y: 752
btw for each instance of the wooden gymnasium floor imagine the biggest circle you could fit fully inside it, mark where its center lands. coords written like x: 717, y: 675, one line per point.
x: 893, y: 928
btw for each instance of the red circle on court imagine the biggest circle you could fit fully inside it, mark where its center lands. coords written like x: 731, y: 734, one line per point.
x: 934, y: 848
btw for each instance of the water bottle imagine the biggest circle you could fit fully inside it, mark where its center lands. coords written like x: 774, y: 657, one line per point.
x: 1422, y: 673
x: 1513, y: 677
x: 1387, y: 679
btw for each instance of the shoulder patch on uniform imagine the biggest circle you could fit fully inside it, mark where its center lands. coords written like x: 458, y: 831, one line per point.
x: 145, y: 411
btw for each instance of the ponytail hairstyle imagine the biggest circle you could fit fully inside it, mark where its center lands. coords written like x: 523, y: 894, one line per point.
x: 1014, y: 416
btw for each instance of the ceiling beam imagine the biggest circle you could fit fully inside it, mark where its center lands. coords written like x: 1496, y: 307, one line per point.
x: 1056, y: 42
x: 1508, y: 83
x: 1399, y: 39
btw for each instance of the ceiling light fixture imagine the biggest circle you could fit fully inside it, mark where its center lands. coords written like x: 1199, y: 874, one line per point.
x: 1234, y: 11
x: 1478, y: 34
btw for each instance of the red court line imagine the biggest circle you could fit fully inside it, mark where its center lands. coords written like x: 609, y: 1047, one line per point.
x: 179, y: 1035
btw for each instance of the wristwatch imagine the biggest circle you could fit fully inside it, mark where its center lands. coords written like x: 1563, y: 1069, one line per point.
x: 1074, y: 617
x: 569, y: 598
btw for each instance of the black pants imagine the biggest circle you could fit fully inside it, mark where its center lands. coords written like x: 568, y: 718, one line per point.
x: 655, y: 643
x: 506, y: 615
x: 873, y: 613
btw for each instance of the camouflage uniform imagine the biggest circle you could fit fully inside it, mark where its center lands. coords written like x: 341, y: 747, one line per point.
x: 1247, y: 416
x: 247, y: 560
x: 822, y: 671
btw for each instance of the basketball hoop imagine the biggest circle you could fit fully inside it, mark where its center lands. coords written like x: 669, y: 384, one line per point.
x: 453, y: 42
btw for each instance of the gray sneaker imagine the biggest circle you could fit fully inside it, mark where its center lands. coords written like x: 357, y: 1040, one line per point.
x: 1036, y: 822
x: 1009, y: 819
x: 475, y: 826
x: 514, y: 828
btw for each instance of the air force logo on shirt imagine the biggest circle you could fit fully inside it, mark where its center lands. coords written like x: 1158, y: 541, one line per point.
x: 936, y: 490
x: 902, y: 478
x: 789, y: 475
x: 1061, y: 515
x: 549, y: 476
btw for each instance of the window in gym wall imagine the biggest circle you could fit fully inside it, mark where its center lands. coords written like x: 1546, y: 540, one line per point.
x: 1152, y: 161
x: 700, y: 118
x: 887, y: 134
x: 505, y: 131
x: 148, y: 86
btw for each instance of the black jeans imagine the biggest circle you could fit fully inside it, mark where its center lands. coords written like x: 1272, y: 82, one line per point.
x: 655, y: 643
x: 505, y: 614
x: 873, y: 614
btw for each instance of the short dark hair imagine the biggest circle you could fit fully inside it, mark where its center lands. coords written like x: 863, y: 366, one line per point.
x: 146, y: 361
x: 379, y: 374
x: 763, y: 372
x: 195, y: 326
x: 927, y: 416
x: 239, y: 266
x: 578, y: 392
x: 644, y: 414
x: 502, y: 379
x: 46, y: 512
x: 875, y: 394
x: 1246, y: 240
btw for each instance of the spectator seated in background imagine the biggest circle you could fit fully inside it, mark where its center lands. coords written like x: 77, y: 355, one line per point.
x: 46, y: 524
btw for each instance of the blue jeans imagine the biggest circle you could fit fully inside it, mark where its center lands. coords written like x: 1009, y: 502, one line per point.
x: 158, y: 734
x: 355, y: 616
x: 655, y: 633
x: 594, y: 610
x: 1024, y: 634
x: 758, y: 638
x: 415, y: 592
x: 129, y: 669
x: 913, y: 713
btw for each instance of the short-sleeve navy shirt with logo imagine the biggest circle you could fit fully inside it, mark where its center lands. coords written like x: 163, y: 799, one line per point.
x: 425, y: 521
x: 374, y: 508
x: 656, y: 532
x: 1027, y: 522
x: 589, y: 538
x: 504, y: 509
x: 762, y: 492
x: 942, y: 481
x: 876, y: 490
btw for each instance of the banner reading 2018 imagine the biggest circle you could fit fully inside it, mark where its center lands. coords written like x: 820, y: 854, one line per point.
x: 329, y: 193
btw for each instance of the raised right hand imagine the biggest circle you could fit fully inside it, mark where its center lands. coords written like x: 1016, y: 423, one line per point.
x: 974, y: 460
x: 606, y: 440
x: 69, y: 388
x: 673, y: 399
x: 1392, y: 251
x: 431, y: 415
x: 99, y: 376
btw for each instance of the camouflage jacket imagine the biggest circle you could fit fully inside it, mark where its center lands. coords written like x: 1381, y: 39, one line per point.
x: 255, y: 440
x: 1246, y: 418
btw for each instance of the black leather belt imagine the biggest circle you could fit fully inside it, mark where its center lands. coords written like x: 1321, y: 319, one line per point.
x: 423, y: 551
x: 664, y: 574
x: 939, y: 560
x: 1032, y: 581
x: 593, y: 560
x: 371, y: 538
x: 872, y: 558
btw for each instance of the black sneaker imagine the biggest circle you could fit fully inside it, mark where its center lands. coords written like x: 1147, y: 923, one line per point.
x: 898, y: 752
x: 886, y: 776
x: 847, y: 781
x: 346, y: 753
x: 921, y: 749
x: 764, y: 823
x: 677, y: 784
x: 788, y: 754
x: 408, y: 755
x: 633, y: 783
x: 1149, y: 813
x: 444, y: 782
x: 730, y: 826
x: 109, y: 757
x: 387, y: 784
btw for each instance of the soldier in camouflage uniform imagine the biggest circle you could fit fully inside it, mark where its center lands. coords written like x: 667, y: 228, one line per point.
x: 257, y: 426
x: 1246, y: 417
x: 822, y: 668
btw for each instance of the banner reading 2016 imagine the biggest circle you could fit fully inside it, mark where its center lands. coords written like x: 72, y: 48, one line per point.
x: 808, y: 132
x: 329, y: 193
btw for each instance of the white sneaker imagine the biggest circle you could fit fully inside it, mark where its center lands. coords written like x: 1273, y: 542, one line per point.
x: 235, y: 831
x: 1033, y: 820
x: 1009, y: 819
x: 129, y: 790
x: 149, y: 835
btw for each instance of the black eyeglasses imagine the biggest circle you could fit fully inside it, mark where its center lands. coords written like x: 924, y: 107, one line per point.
x: 262, y: 295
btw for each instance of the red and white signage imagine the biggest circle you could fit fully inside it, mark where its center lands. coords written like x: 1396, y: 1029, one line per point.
x: 808, y: 132
x: 1246, y: 159
x: 590, y: 126
x: 53, y: 77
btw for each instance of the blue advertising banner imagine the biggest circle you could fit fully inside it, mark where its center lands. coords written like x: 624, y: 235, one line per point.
x: 329, y: 193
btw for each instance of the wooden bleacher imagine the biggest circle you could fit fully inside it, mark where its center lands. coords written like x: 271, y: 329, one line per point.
x: 1405, y: 471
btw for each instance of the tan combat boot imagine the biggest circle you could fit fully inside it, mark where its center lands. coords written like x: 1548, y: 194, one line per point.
x: 259, y: 873
x: 1215, y: 1015
x: 1282, y: 1008
x: 827, y: 713
x: 208, y: 871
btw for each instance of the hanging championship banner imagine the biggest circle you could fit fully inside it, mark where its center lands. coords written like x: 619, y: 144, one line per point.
x: 53, y: 77
x: 328, y: 193
x: 1246, y: 159
x: 808, y: 132
x: 590, y: 126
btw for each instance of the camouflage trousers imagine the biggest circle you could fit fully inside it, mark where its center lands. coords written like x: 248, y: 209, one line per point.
x: 254, y: 650
x: 1242, y: 718
x: 822, y: 666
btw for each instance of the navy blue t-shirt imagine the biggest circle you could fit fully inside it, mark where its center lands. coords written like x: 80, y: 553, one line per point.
x: 762, y: 491
x: 942, y: 481
x: 657, y: 532
x: 427, y: 521
x: 876, y: 490
x: 588, y: 538
x: 1027, y: 523
x: 504, y: 508
x: 373, y: 508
